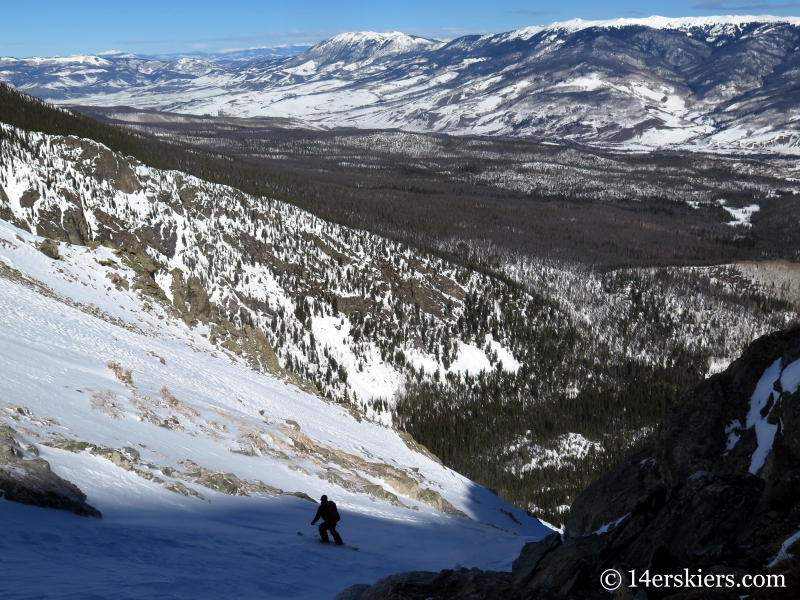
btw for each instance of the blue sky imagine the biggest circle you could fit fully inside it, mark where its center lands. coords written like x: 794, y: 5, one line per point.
x: 62, y: 27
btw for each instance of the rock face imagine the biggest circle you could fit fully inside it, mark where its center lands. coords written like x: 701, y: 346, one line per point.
x: 26, y: 478
x: 719, y: 491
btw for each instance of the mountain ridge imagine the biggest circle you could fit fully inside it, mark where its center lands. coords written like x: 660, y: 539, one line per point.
x: 708, y: 83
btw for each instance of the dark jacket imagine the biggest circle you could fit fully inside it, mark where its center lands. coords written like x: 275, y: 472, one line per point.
x: 326, y: 512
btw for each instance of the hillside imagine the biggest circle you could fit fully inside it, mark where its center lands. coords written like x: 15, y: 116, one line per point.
x: 725, y: 83
x: 708, y: 511
x: 203, y: 470
x: 566, y: 362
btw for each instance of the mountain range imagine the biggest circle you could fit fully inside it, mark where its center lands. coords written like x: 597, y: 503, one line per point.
x: 710, y: 83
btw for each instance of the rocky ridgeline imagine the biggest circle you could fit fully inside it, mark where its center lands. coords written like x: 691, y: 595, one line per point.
x: 718, y: 494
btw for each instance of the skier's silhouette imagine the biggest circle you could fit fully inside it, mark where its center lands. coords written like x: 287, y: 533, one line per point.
x: 329, y: 514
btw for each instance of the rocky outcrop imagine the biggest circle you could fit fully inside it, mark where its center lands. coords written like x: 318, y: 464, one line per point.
x: 718, y: 494
x: 27, y: 479
x: 49, y: 248
x: 190, y: 293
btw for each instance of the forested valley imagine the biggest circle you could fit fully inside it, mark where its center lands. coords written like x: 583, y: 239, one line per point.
x: 592, y: 289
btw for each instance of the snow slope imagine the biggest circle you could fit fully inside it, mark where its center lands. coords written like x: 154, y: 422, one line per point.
x: 83, y: 375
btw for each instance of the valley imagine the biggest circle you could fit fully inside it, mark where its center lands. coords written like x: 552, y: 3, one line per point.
x: 498, y: 296
x: 433, y: 333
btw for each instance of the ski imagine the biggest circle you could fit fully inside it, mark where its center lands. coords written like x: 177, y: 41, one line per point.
x: 319, y: 540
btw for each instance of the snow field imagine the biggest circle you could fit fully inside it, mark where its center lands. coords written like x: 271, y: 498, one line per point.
x: 55, y: 351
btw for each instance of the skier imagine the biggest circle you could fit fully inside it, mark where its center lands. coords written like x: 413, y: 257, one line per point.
x: 330, y: 516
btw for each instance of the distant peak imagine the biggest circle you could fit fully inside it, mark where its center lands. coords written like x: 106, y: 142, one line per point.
x: 395, y: 38
x: 358, y: 46
x: 654, y: 22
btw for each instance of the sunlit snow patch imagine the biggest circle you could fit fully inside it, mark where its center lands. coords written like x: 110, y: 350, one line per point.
x: 741, y: 216
x: 611, y: 525
x: 762, y: 402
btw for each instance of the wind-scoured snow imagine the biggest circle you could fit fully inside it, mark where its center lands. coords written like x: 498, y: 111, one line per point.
x: 67, y: 339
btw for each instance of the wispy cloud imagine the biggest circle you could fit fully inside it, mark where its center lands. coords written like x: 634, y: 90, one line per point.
x: 737, y: 5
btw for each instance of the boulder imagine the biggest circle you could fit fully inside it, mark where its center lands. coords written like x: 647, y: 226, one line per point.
x: 446, y: 585
x: 49, y: 248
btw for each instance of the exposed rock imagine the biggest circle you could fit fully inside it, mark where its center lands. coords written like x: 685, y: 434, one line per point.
x: 49, y: 248
x: 113, y: 168
x: 532, y: 553
x: 179, y: 488
x: 29, y: 198
x: 144, y: 267
x: 415, y: 584
x: 304, y: 496
x: 227, y: 483
x: 30, y: 480
x: 615, y: 495
x: 414, y: 446
x: 422, y: 585
x: 6, y: 214
x: 397, y: 479
x: 70, y: 445
x: 192, y: 293
x: 700, y: 499
x: 118, y: 281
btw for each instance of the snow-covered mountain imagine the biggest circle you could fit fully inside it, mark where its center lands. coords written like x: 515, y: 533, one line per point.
x: 713, y: 83
x: 353, y: 313
x: 203, y: 469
